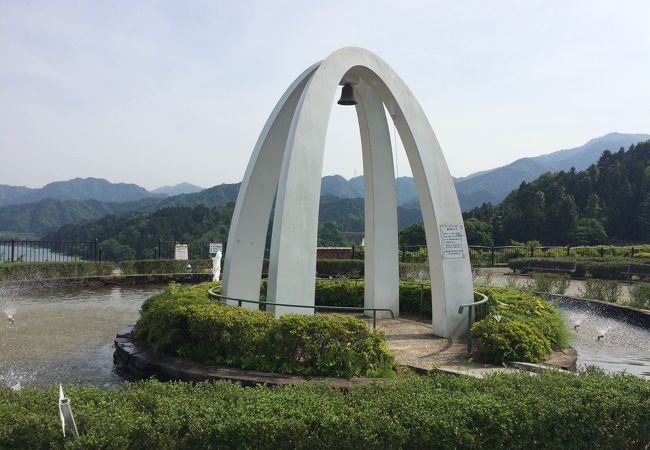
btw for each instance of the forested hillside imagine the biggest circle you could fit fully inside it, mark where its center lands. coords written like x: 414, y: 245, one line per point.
x: 607, y: 202
x: 136, y: 235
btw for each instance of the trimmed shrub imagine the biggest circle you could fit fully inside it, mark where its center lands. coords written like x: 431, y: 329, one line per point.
x: 52, y: 270
x: 340, y: 267
x: 551, y: 410
x: 640, y: 295
x: 354, y: 268
x: 604, y: 268
x: 550, y: 282
x: 185, y: 323
x: 156, y: 266
x: 519, y: 326
x: 603, y: 290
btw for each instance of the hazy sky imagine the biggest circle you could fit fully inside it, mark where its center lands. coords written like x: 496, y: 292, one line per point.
x: 159, y: 92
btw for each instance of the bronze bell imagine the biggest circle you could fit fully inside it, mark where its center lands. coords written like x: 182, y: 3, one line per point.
x: 347, y: 95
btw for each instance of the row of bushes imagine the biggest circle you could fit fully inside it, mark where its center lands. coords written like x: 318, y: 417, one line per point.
x: 414, y: 296
x: 551, y: 410
x: 605, y: 268
x: 529, y: 329
x: 355, y: 268
x: 183, y: 322
x: 51, y: 269
x: 518, y: 326
x: 324, y: 267
x: 156, y: 266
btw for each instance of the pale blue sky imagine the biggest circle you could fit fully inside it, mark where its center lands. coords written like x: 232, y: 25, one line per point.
x: 159, y: 92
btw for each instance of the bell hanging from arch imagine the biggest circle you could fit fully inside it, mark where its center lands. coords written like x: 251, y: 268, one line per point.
x: 347, y: 95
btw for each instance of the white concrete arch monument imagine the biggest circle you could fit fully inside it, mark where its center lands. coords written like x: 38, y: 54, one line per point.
x: 288, y: 159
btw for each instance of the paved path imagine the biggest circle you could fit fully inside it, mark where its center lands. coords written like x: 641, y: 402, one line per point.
x: 499, y: 276
x: 414, y: 345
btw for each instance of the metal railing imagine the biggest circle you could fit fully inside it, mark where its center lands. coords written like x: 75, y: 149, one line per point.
x: 14, y: 250
x: 239, y: 301
x: 471, y: 307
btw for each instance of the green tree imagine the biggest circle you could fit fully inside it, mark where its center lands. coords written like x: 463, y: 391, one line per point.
x: 478, y: 232
x: 590, y: 232
x: 413, y: 235
x: 330, y: 234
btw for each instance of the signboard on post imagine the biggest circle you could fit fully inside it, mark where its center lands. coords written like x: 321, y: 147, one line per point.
x: 181, y: 252
x: 452, y: 242
x: 216, y: 247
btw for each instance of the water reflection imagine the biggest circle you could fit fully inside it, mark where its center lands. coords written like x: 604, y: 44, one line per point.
x: 65, y: 334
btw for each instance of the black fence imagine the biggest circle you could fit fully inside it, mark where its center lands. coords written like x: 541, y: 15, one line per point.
x: 35, y: 251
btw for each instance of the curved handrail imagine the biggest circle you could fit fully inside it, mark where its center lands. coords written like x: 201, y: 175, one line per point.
x: 470, y: 306
x: 213, y: 294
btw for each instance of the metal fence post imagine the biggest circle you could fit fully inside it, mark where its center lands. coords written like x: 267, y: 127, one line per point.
x: 352, y: 257
x: 159, y: 248
x: 13, y: 248
x: 403, y: 252
x: 532, y: 251
x: 602, y: 252
x: 632, y: 252
x: 96, y: 254
x: 492, y: 257
x: 568, y: 250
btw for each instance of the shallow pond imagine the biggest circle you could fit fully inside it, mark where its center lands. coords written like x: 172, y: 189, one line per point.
x: 65, y: 334
x: 611, y: 344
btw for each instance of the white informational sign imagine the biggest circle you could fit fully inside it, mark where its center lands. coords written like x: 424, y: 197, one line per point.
x: 452, y: 241
x: 180, y: 252
x: 216, y: 247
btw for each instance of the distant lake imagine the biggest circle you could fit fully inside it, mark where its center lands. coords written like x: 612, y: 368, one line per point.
x: 33, y: 251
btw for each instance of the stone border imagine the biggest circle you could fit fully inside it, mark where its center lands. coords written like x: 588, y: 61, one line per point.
x: 108, y: 280
x: 629, y: 314
x: 134, y: 361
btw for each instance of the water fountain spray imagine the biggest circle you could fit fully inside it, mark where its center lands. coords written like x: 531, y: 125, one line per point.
x: 10, y: 313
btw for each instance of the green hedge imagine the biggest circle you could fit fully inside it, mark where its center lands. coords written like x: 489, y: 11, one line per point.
x: 49, y: 269
x: 154, y: 266
x: 355, y: 268
x: 519, y: 326
x: 605, y: 268
x: 516, y: 411
x: 414, y: 296
x: 185, y: 323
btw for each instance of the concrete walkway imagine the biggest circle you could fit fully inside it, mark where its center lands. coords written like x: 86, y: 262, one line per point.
x: 412, y: 342
x: 500, y: 276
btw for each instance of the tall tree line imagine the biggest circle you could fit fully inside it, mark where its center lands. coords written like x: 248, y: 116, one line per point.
x: 607, y: 202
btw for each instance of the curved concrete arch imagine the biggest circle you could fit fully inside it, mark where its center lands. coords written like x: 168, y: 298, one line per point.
x: 250, y: 219
x: 293, y: 258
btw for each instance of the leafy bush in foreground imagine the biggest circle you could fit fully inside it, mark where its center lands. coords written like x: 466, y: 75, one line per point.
x: 54, y: 269
x: 185, y: 323
x: 516, y: 411
x: 519, y: 326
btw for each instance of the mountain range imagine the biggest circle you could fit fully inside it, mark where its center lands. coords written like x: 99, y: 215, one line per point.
x: 493, y: 185
x: 75, y: 189
x: 181, y: 188
x: 26, y: 210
